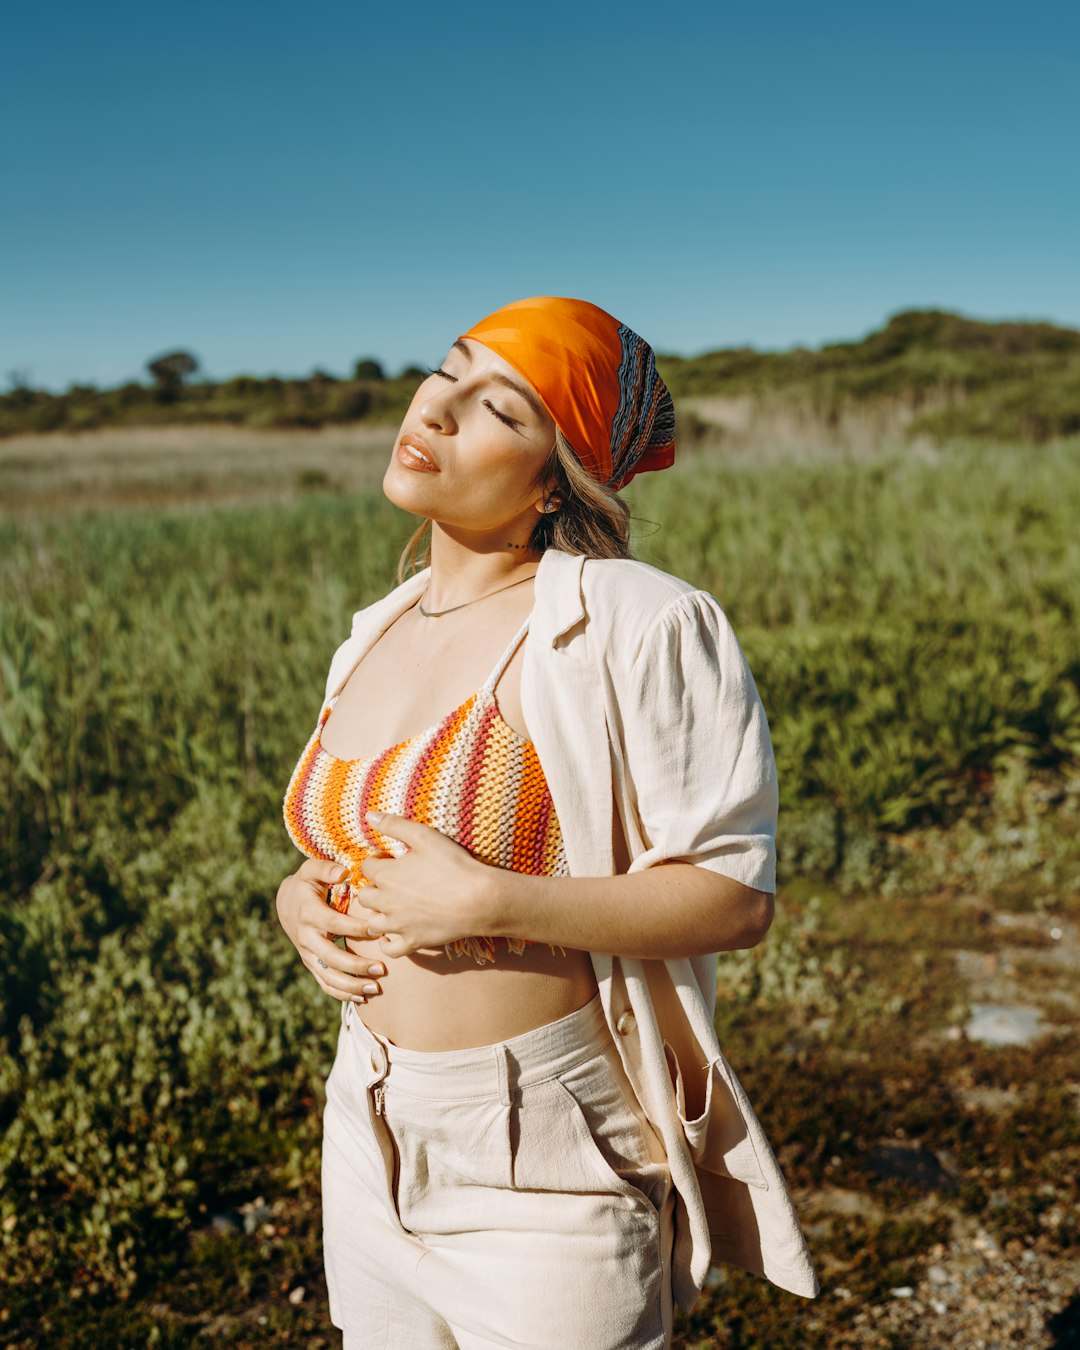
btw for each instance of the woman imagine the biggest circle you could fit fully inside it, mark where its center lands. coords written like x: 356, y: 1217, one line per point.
x: 531, y: 1135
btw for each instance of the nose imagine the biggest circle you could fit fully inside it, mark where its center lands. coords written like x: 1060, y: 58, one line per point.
x: 436, y: 411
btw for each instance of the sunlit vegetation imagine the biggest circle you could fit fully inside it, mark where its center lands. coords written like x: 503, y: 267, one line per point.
x: 911, y: 621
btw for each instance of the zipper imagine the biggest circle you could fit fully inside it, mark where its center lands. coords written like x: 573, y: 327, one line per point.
x: 378, y: 1093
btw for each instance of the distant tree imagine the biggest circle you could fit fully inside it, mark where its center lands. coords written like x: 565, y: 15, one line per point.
x: 170, y: 371
x: 131, y: 394
x: 240, y: 386
x: 413, y: 373
x: 350, y: 403
x: 367, y: 368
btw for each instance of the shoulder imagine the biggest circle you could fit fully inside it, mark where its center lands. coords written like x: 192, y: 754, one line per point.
x: 636, y: 606
x: 633, y: 584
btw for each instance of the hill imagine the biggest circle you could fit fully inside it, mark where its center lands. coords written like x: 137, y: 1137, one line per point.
x: 1000, y: 381
x: 959, y: 376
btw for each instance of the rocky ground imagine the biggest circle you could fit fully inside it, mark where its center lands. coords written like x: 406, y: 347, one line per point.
x: 987, y: 1255
x: 976, y: 1293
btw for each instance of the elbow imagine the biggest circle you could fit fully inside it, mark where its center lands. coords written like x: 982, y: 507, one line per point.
x: 768, y: 910
x: 740, y: 915
x: 760, y: 911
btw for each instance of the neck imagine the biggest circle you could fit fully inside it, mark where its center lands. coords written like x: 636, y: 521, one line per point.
x: 463, y: 569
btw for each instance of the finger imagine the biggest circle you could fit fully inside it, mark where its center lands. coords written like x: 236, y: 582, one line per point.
x: 320, y: 948
x: 327, y: 919
x: 378, y: 925
x: 339, y: 994
x: 369, y: 866
x: 342, y: 986
x: 341, y: 983
x: 320, y: 869
x: 393, y: 944
x: 355, y: 940
x: 401, y: 828
x: 357, y: 1000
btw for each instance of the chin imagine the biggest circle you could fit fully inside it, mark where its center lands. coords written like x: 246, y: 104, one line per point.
x: 396, y: 485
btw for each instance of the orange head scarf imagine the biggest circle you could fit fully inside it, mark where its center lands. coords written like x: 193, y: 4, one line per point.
x: 596, y: 378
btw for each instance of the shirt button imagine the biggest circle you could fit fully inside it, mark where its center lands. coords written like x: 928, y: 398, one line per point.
x: 626, y: 1023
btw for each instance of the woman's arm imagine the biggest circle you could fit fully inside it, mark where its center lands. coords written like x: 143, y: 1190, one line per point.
x: 670, y: 910
x: 437, y: 891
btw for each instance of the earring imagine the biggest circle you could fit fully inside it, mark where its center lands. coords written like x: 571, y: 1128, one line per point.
x: 551, y: 506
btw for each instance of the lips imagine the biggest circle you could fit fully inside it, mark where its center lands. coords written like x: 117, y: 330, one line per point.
x: 414, y: 452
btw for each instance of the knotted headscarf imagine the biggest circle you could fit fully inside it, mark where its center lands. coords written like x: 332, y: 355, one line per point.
x: 596, y: 378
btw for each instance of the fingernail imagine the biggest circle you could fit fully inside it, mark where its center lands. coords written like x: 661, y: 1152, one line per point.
x: 370, y: 988
x: 359, y: 1000
x: 376, y: 970
x: 374, y: 817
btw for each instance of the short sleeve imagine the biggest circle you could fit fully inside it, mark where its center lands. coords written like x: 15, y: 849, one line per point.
x: 697, y: 749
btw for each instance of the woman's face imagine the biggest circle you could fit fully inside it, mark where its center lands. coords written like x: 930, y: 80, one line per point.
x: 485, y: 429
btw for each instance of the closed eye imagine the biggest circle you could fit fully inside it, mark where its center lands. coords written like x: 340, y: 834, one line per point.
x: 510, y: 421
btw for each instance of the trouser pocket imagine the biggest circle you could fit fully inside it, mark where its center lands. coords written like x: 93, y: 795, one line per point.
x: 584, y: 1132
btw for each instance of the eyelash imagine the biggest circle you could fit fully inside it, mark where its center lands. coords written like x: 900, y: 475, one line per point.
x: 510, y: 422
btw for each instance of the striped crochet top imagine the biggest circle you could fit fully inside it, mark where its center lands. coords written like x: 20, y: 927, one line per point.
x: 470, y: 776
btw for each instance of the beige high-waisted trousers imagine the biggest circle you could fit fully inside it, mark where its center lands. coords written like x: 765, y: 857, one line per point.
x: 508, y: 1195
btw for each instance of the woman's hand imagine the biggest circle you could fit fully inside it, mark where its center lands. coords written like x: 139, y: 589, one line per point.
x: 311, y: 925
x: 433, y: 894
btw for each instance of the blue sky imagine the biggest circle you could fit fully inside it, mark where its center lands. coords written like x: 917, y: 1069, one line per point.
x: 279, y: 187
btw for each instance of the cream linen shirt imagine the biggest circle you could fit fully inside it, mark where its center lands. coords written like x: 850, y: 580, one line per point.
x: 639, y: 700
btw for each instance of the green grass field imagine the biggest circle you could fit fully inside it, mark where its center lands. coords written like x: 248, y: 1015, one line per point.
x: 911, y: 618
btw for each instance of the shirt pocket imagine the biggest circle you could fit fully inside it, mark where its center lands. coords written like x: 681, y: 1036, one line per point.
x: 719, y: 1138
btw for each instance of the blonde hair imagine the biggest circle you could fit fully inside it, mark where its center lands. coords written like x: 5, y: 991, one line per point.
x: 591, y: 519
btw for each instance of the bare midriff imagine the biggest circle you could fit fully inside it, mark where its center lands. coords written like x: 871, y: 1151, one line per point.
x: 439, y: 1003
x: 429, y: 1001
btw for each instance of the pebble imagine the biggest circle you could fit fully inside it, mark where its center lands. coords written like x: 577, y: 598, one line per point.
x: 992, y: 1024
x: 1011, y: 1298
x: 255, y: 1212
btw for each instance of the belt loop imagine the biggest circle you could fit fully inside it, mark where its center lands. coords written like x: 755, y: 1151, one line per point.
x: 501, y: 1058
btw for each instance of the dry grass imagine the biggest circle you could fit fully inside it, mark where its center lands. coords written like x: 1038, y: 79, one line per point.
x: 774, y: 430
x: 151, y: 467
x: 133, y: 468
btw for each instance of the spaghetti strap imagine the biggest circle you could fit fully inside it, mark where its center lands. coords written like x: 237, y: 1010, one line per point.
x: 493, y: 678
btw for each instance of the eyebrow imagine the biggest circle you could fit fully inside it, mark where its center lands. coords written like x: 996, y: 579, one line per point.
x: 527, y: 394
